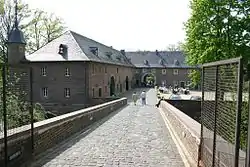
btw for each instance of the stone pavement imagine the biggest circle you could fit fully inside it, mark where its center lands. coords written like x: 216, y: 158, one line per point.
x: 133, y: 136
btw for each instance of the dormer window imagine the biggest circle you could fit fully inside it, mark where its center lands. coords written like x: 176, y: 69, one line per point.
x: 108, y: 54
x: 176, y: 62
x: 146, y: 62
x: 63, y: 50
x: 161, y: 62
x: 94, y: 50
x: 118, y: 57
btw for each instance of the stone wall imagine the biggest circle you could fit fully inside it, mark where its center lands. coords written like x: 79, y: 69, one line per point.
x: 187, y: 130
x: 52, y: 131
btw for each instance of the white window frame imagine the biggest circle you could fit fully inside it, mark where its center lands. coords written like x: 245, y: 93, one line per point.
x: 164, y: 71
x: 45, y: 92
x: 44, y: 71
x: 67, y: 72
x: 67, y: 92
x: 175, y: 71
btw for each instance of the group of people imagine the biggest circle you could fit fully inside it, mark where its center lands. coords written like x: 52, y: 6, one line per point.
x: 142, y: 96
x: 143, y: 99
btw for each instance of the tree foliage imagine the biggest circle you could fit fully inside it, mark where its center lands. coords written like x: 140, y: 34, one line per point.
x: 217, y: 30
x: 175, y: 47
x: 43, y: 28
x: 38, y: 26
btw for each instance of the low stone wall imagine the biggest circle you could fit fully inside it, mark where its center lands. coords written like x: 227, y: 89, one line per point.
x: 52, y: 131
x: 186, y: 129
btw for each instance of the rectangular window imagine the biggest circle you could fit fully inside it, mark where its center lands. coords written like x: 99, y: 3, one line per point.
x: 67, y: 72
x: 176, y: 72
x: 117, y: 70
x: 45, y: 92
x: 105, y: 69
x: 67, y: 92
x: 44, y: 71
x: 93, y: 92
x: 100, y: 92
x: 164, y: 71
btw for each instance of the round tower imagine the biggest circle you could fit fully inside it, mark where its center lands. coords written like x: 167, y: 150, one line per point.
x: 16, y: 43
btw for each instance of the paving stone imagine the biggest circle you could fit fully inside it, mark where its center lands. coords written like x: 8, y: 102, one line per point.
x: 135, y: 136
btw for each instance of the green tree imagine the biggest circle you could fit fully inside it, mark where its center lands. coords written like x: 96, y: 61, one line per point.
x: 43, y: 28
x: 217, y: 30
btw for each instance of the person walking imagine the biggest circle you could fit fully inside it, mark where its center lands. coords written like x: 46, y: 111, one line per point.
x: 134, y: 98
x: 143, y: 98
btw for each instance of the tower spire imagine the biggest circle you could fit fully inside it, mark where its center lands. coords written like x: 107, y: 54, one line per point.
x: 16, y: 22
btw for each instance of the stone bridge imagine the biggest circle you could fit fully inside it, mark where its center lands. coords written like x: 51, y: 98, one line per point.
x: 131, y: 135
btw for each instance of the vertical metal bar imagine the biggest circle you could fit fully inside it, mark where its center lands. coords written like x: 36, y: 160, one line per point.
x: 238, y: 112
x: 31, y: 109
x: 201, y: 118
x: 248, y: 133
x: 215, y: 116
x: 5, y: 116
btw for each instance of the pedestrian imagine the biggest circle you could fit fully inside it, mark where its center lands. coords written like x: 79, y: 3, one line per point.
x: 134, y: 97
x: 143, y: 98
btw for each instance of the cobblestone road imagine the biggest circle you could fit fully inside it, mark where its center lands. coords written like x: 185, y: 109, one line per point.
x: 135, y: 136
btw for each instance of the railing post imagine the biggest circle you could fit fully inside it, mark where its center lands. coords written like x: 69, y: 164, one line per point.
x: 215, y: 115
x: 31, y: 108
x: 248, y: 133
x: 5, y: 116
x: 201, y: 120
x: 238, y: 112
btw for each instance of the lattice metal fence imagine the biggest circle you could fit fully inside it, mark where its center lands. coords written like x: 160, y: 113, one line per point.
x: 224, y: 115
x: 16, y: 114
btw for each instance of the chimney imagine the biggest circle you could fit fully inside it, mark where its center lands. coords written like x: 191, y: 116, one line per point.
x: 123, y: 52
x: 157, y: 52
x: 63, y: 50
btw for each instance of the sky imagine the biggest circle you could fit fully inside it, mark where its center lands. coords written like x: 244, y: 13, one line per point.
x: 123, y: 24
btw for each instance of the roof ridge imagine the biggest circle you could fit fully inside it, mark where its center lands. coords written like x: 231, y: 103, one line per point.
x: 93, y: 40
x: 77, y: 43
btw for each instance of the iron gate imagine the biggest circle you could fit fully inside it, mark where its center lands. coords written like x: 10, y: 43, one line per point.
x: 224, y: 114
x: 16, y: 115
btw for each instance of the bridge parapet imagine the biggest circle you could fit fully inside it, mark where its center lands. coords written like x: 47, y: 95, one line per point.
x: 50, y: 132
x: 186, y: 131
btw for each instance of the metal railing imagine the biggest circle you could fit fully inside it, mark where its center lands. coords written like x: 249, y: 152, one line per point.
x: 16, y: 112
x: 224, y: 114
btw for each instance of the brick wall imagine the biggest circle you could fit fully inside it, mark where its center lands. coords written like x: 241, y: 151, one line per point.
x: 52, y: 131
x: 186, y: 128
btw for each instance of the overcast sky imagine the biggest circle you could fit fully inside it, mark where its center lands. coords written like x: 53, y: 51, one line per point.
x: 123, y: 24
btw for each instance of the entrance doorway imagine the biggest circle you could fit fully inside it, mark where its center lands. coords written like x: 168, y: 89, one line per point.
x: 127, y: 86
x: 112, y: 86
x: 182, y: 84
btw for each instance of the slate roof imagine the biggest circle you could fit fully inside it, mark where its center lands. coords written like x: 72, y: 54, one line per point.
x: 78, y: 50
x: 158, y: 59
